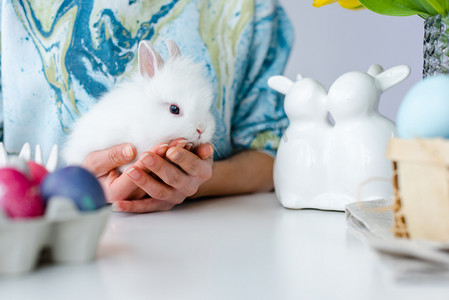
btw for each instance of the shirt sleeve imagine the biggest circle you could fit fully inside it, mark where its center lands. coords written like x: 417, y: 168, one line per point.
x: 259, y: 119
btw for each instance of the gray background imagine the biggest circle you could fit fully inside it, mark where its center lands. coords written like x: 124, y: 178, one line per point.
x: 331, y: 40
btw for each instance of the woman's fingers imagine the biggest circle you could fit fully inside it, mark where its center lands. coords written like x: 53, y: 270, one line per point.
x: 190, y: 163
x: 142, y: 205
x: 204, y: 151
x: 103, y: 161
x: 154, y: 188
x: 168, y: 179
x: 185, y: 181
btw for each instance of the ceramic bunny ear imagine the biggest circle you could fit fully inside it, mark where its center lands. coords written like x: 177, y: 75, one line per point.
x: 280, y: 84
x: 173, y: 49
x: 375, y: 70
x: 392, y: 76
x: 149, y: 59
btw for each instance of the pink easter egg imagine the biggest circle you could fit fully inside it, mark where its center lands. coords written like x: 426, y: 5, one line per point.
x: 37, y: 172
x: 19, y: 197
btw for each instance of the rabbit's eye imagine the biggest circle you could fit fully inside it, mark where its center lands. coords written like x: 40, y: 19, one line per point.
x: 174, y: 109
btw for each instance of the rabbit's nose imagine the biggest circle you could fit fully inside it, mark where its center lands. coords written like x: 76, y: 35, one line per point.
x: 200, y: 129
x: 199, y: 132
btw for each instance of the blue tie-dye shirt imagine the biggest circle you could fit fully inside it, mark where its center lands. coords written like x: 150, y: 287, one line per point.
x: 59, y: 56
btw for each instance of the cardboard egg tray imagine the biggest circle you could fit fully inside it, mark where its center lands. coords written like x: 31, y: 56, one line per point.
x: 70, y: 235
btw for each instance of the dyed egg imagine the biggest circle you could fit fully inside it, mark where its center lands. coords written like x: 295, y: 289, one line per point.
x: 77, y: 184
x: 37, y: 172
x: 19, y: 197
x: 424, y: 112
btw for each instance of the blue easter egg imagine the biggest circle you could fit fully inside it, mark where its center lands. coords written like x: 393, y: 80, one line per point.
x: 77, y: 184
x: 424, y: 112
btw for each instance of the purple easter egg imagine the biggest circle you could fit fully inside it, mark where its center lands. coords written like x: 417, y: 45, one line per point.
x: 37, y: 172
x: 19, y: 197
x: 77, y: 184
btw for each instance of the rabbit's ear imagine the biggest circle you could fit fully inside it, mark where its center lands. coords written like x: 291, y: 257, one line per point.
x: 173, y: 49
x: 149, y: 59
x: 391, y: 77
x: 280, y: 84
x: 375, y: 70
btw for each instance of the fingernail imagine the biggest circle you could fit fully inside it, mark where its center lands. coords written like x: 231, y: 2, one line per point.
x: 182, y: 143
x: 189, y: 146
x: 133, y: 173
x: 211, y: 151
x: 128, y: 151
x: 173, y: 154
x: 162, y: 150
x: 147, y: 159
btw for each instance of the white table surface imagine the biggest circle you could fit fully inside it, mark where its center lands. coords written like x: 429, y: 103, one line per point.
x: 245, y: 247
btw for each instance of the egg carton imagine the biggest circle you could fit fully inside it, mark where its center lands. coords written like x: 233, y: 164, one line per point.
x: 71, y: 236
x: 25, y: 154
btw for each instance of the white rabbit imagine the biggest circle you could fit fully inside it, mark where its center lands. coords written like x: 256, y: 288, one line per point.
x: 360, y: 136
x: 165, y: 100
x: 299, y: 170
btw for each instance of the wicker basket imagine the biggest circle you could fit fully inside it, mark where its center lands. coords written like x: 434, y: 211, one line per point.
x: 421, y: 184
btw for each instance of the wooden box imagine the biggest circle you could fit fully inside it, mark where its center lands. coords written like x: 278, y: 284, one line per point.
x: 421, y: 183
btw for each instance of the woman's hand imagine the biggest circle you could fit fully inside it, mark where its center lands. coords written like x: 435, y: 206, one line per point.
x: 104, y: 163
x: 168, y: 180
x: 187, y: 175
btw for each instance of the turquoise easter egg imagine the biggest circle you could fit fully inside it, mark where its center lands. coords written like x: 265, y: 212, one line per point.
x: 424, y: 111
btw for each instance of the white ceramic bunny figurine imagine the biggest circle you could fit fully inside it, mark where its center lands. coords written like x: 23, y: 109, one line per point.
x: 359, y: 139
x: 299, y: 169
x: 321, y: 167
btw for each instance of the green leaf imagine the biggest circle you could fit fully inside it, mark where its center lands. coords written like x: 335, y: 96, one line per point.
x: 432, y: 7
x: 396, y: 7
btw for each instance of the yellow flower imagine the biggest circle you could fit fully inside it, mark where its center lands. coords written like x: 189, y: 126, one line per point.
x: 349, y: 4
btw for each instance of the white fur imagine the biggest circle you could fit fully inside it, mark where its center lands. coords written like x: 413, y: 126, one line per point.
x: 138, y: 111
